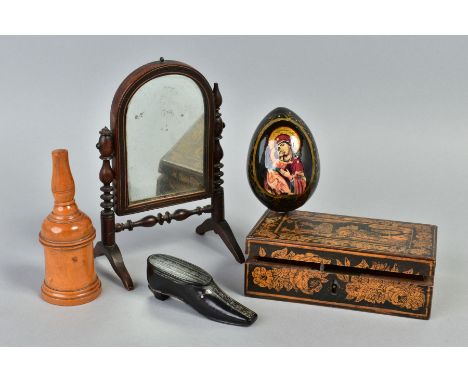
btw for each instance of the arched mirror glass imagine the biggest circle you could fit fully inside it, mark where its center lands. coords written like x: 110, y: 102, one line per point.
x: 165, y: 129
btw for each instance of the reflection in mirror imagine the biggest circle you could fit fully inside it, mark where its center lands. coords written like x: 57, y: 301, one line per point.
x: 165, y: 139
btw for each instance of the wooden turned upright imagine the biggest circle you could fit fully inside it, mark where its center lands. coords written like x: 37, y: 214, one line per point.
x: 67, y: 235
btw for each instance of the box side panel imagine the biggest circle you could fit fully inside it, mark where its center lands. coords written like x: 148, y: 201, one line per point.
x: 305, y: 253
x: 302, y: 284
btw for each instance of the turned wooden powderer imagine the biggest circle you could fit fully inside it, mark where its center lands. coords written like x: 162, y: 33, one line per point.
x: 67, y: 235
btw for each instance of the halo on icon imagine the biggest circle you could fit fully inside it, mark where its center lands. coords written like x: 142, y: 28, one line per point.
x: 294, y: 136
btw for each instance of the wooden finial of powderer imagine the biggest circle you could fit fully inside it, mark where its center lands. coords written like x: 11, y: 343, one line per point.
x: 67, y: 236
x: 62, y: 184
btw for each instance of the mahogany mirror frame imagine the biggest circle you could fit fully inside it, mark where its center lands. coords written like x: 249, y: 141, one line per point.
x: 122, y: 98
x: 113, y: 149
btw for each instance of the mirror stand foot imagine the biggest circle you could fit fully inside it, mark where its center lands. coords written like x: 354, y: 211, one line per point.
x: 223, y: 229
x: 114, y: 256
x: 206, y: 226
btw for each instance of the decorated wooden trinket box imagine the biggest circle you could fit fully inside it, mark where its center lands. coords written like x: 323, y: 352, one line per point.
x: 365, y: 264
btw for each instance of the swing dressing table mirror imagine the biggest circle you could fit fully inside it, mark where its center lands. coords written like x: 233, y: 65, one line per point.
x: 163, y: 149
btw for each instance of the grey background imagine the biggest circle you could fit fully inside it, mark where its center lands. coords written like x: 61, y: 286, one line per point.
x: 390, y: 117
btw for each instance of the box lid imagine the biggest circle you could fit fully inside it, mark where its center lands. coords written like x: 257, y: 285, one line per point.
x: 352, y: 242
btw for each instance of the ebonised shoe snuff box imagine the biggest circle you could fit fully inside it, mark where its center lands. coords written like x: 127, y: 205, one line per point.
x: 170, y: 276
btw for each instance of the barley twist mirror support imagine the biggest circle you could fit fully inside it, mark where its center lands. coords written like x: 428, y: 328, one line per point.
x: 163, y: 148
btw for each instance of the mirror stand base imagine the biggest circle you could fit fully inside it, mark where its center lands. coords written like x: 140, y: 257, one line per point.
x: 113, y: 254
x: 223, y: 229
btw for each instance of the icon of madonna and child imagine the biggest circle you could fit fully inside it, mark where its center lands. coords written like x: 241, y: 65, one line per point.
x: 284, y: 166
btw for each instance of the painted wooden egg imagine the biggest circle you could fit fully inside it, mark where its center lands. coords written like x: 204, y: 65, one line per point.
x: 283, y: 165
